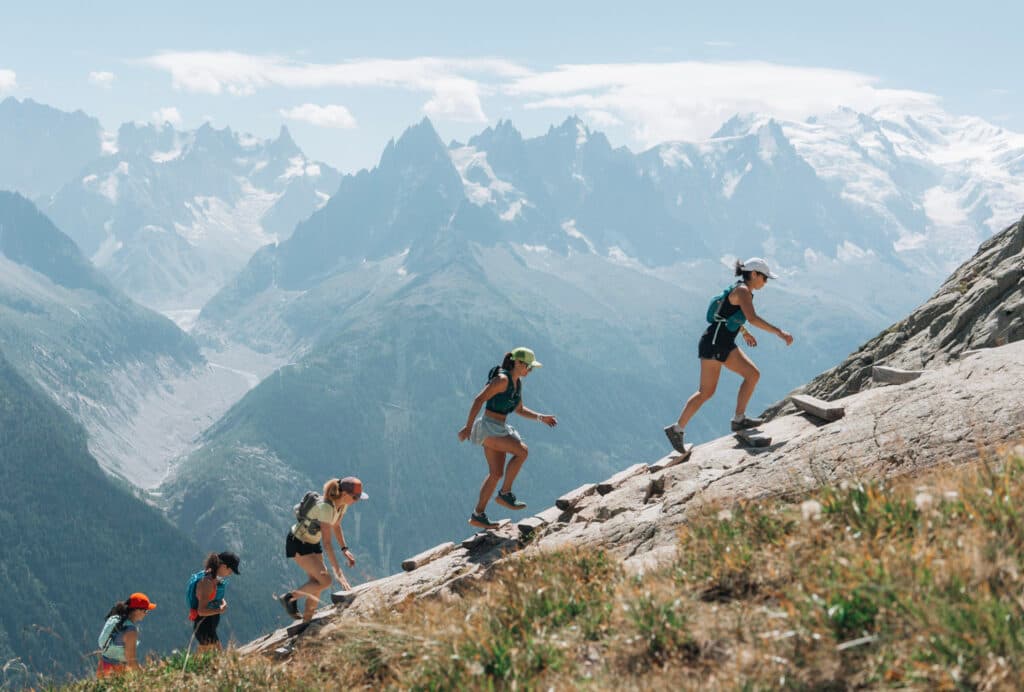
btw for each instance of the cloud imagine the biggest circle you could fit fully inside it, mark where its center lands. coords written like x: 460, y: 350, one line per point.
x: 599, y: 118
x: 719, y: 44
x: 454, y: 85
x: 690, y: 100
x: 169, y: 114
x: 103, y: 80
x: 322, y: 116
x: 8, y: 80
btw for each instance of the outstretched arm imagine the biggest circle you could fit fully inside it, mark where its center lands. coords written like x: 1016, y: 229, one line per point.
x: 746, y: 302
x: 544, y: 418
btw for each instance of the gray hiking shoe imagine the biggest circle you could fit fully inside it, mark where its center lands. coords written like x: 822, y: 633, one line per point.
x: 746, y: 423
x: 675, y: 438
x: 291, y: 605
x: 509, y: 500
x: 480, y: 520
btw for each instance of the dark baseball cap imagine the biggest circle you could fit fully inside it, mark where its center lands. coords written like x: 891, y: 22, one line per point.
x: 230, y: 559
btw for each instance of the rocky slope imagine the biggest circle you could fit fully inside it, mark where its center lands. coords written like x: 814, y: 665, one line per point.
x: 980, y: 305
x: 944, y: 417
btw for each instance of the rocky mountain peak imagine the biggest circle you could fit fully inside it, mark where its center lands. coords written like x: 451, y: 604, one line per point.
x: 283, y: 146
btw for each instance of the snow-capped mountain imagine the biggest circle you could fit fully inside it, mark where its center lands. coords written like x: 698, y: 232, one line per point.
x: 171, y: 215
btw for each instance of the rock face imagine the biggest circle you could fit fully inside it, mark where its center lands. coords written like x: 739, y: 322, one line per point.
x: 980, y: 306
x: 943, y: 417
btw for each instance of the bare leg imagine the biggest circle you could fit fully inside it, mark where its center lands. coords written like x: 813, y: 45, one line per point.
x: 710, y: 370
x: 740, y: 364
x: 507, y: 445
x: 495, y: 467
x: 312, y: 565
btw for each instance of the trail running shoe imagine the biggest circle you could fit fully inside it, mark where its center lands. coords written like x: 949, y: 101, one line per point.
x: 675, y: 438
x: 509, y: 500
x: 746, y: 423
x: 480, y: 520
x: 291, y: 605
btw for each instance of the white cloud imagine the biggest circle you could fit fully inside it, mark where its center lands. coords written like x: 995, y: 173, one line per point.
x: 322, y: 116
x: 103, y: 80
x: 8, y: 80
x: 690, y: 100
x: 169, y: 114
x: 454, y: 85
x: 600, y: 118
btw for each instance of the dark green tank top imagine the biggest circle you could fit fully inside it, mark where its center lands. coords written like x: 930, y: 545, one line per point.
x: 508, y: 401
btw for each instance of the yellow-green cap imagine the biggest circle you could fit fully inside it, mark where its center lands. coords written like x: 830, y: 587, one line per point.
x: 525, y: 355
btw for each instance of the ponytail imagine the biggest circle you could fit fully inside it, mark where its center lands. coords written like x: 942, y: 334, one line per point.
x: 332, y: 489
x: 508, y: 363
x: 120, y: 609
x: 742, y: 272
x: 212, y: 564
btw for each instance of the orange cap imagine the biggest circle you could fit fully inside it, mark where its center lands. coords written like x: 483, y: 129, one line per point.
x: 140, y: 601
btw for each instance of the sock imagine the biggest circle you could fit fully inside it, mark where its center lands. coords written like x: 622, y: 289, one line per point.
x: 738, y: 418
x: 676, y: 428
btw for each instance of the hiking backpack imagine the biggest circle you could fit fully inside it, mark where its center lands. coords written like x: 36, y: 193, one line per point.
x: 310, y: 500
x: 734, y: 321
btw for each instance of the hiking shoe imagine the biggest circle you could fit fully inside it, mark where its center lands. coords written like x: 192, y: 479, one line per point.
x: 675, y: 438
x: 480, y: 520
x: 509, y: 500
x: 746, y: 423
x: 291, y: 605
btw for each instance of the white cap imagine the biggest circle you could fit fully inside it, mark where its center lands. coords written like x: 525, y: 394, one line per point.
x: 756, y: 264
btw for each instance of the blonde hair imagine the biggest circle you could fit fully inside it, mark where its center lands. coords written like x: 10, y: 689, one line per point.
x: 332, y: 489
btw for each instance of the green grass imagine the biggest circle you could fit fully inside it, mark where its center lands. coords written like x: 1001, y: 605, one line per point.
x: 912, y: 583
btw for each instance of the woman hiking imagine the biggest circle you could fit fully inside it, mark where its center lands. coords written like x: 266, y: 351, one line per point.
x: 206, y: 598
x: 502, y: 395
x: 717, y: 347
x: 119, y: 639
x: 319, y: 517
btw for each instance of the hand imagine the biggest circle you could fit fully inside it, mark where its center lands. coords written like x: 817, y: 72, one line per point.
x: 749, y: 338
x: 547, y: 420
x: 348, y: 556
x: 341, y: 579
x: 464, y: 434
x: 223, y: 604
x: 786, y: 336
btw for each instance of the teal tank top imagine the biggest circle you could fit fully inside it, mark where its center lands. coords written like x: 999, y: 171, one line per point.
x: 508, y: 401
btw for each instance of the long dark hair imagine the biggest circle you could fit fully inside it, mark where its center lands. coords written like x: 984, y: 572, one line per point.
x: 120, y: 609
x: 740, y: 271
x: 211, y: 565
x: 508, y: 364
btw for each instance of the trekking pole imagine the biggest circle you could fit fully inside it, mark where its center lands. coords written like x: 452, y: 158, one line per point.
x: 188, y: 650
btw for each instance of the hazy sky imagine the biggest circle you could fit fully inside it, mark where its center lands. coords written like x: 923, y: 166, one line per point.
x: 346, y: 77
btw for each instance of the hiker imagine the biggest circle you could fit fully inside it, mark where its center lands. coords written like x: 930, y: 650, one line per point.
x: 308, y: 539
x: 502, y: 395
x: 119, y: 639
x: 727, y: 314
x: 206, y: 598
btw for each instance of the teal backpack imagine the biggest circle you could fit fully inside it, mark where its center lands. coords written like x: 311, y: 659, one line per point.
x: 734, y: 321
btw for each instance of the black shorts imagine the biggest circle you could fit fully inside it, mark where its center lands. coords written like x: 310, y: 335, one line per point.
x: 293, y: 546
x: 205, y: 627
x: 724, y: 344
